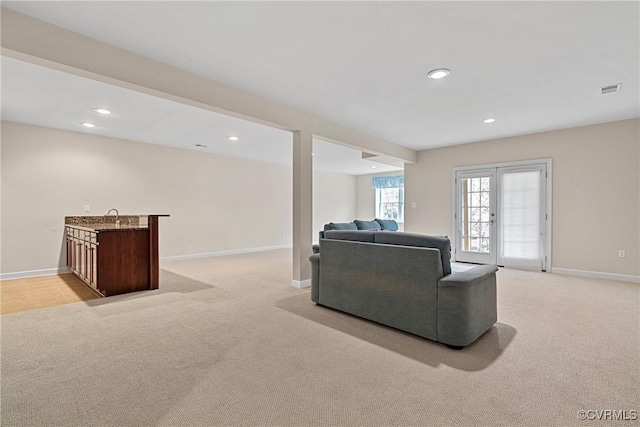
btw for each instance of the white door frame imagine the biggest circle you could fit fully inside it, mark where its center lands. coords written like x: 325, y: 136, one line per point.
x: 548, y: 207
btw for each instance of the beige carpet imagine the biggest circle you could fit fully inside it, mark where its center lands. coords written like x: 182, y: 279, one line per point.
x: 228, y: 341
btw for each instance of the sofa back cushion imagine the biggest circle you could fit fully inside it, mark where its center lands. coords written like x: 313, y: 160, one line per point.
x: 387, y: 224
x: 420, y: 240
x: 340, y: 226
x: 367, y: 225
x: 357, y: 236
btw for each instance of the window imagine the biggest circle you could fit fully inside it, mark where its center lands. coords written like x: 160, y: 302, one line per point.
x: 389, y: 197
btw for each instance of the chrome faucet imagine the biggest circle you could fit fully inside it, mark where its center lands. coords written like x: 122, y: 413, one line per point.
x: 117, y: 216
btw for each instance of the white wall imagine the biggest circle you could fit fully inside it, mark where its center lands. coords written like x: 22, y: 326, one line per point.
x: 223, y: 203
x: 596, y: 191
x: 334, y: 199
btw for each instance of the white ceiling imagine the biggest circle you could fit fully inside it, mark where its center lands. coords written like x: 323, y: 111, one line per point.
x: 534, y: 66
x: 45, y: 97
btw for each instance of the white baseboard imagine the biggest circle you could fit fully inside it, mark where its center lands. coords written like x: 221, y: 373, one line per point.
x: 597, y: 275
x: 34, y: 273
x: 222, y: 253
x: 301, y: 284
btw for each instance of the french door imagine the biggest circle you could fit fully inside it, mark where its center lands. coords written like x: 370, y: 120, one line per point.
x: 501, y: 216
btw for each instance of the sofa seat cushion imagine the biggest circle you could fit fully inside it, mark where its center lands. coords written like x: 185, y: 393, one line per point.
x: 387, y: 224
x: 367, y: 225
x: 420, y: 240
x: 340, y: 226
x: 357, y: 236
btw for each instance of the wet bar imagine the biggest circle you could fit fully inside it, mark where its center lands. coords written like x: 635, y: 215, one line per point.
x: 114, y: 254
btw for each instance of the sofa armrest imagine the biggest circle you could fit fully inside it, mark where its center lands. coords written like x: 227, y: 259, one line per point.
x: 315, y: 276
x: 316, y: 249
x: 467, y: 305
x: 468, y: 277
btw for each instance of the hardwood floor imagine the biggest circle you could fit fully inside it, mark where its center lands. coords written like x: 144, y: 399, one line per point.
x: 44, y: 291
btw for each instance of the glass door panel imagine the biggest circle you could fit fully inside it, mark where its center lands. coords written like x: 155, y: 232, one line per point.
x: 475, y: 216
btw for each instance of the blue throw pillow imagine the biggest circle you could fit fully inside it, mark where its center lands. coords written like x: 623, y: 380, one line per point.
x: 340, y: 226
x: 387, y: 224
x: 367, y: 225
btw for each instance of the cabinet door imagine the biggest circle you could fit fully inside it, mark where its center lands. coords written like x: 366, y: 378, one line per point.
x: 92, y: 275
x: 69, y: 249
x: 83, y: 261
x: 77, y: 258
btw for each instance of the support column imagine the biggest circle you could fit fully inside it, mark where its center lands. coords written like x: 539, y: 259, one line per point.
x: 302, y: 207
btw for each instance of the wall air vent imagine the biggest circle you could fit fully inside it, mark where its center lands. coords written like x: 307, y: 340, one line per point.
x: 611, y: 88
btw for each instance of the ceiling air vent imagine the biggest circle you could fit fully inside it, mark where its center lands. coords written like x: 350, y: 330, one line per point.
x: 611, y: 88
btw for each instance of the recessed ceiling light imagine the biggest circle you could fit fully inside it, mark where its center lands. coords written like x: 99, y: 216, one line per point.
x: 201, y: 146
x: 88, y: 125
x: 438, y: 73
x: 233, y: 138
x: 102, y: 111
x: 374, y: 167
x: 489, y: 120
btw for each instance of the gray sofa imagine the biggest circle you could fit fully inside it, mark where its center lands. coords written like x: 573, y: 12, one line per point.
x: 404, y: 280
x: 357, y: 224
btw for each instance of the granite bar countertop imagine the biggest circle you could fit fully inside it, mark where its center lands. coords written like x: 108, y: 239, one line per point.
x: 108, y: 222
x: 108, y: 227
